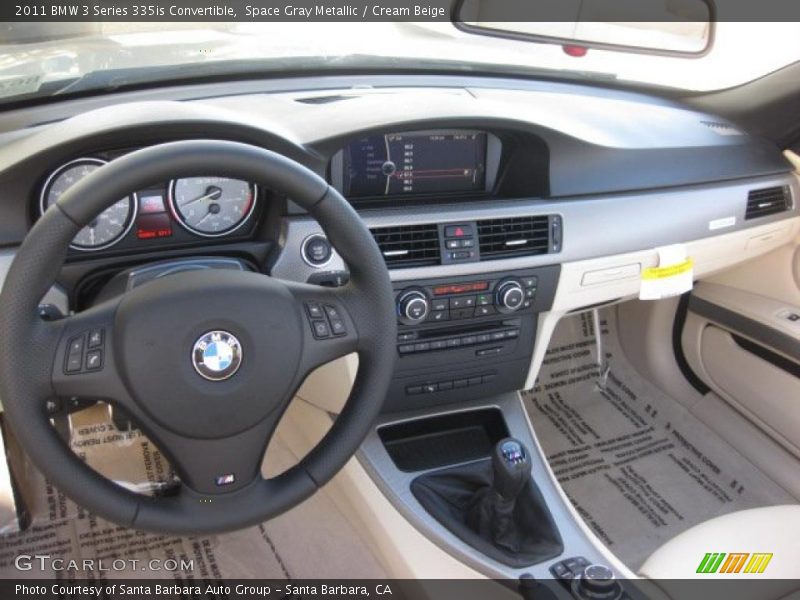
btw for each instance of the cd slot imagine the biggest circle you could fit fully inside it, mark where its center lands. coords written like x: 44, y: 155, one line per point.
x: 447, y: 338
x: 465, y: 329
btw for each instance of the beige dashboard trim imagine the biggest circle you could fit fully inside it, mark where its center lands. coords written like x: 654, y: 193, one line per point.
x: 711, y: 255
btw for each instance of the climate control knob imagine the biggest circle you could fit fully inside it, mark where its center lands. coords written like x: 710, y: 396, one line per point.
x: 413, y: 307
x: 509, y: 296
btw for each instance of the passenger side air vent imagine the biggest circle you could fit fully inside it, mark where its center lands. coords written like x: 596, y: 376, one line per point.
x: 409, y: 245
x: 768, y: 201
x: 518, y: 236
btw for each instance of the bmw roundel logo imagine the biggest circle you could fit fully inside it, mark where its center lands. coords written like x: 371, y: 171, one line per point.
x: 217, y: 355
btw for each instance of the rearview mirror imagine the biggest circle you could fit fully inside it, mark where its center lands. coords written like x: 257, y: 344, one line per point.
x: 670, y: 27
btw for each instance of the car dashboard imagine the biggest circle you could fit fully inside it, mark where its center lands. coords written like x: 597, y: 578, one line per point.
x: 499, y: 206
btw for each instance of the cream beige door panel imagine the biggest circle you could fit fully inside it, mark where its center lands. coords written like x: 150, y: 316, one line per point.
x: 768, y: 394
x: 746, y: 347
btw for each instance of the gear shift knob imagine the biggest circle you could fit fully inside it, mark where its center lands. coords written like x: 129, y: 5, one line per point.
x: 512, y: 468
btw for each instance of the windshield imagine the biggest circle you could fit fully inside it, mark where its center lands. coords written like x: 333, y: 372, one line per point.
x: 38, y: 59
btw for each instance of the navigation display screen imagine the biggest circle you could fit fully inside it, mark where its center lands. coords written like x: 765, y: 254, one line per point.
x: 415, y: 163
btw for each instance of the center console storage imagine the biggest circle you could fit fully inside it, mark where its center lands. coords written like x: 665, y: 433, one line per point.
x: 465, y: 337
x: 472, y: 479
x: 476, y: 481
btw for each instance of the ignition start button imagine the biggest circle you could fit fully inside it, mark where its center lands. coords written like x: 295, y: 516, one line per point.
x: 316, y: 250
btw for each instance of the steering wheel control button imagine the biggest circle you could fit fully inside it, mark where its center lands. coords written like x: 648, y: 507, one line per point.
x: 321, y: 329
x: 337, y: 327
x: 95, y: 338
x: 76, y: 346
x: 94, y: 360
x: 316, y: 250
x: 74, y: 360
x: 217, y: 355
x: 326, y: 320
x: 74, y: 363
x: 332, y: 312
x: 314, y: 311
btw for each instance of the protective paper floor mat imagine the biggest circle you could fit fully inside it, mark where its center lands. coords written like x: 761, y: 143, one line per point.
x: 638, y: 466
x: 303, y: 543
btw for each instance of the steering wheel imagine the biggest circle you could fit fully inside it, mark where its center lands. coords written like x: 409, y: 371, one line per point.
x: 205, y: 362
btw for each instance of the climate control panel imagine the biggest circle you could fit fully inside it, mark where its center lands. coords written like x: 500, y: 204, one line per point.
x: 440, y: 303
x: 463, y: 337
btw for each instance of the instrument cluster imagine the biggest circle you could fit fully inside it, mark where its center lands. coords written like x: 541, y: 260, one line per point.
x: 179, y: 211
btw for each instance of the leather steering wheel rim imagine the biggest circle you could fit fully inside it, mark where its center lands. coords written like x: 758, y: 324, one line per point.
x: 32, y: 352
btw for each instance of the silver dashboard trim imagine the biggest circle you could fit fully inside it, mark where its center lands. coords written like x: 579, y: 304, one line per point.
x: 593, y: 226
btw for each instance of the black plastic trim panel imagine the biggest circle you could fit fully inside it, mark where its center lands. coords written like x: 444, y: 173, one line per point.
x: 680, y: 358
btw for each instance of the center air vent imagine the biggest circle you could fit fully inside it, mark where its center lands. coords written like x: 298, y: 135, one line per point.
x: 768, y: 201
x: 409, y: 245
x: 518, y: 236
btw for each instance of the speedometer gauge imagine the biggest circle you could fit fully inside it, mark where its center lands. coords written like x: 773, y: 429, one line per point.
x: 106, y: 229
x: 212, y: 206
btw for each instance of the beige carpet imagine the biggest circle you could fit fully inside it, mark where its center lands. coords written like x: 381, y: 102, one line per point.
x: 306, y: 542
x: 636, y: 464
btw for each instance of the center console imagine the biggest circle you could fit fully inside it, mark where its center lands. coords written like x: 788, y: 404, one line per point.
x: 461, y: 338
x: 453, y: 449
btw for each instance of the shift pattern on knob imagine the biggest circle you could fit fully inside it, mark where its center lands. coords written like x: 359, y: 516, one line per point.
x: 512, y: 468
x: 513, y: 452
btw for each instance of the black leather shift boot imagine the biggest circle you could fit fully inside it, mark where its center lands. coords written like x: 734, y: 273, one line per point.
x: 517, y: 533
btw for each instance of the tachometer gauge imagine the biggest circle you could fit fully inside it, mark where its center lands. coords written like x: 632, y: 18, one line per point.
x: 110, y: 226
x: 212, y: 206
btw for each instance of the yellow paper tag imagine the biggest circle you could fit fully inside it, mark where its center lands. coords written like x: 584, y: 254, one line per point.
x: 670, y: 271
x: 673, y: 276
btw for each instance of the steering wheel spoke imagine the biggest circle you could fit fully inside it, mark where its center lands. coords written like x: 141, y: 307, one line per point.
x: 84, y: 364
x: 211, y: 467
x: 329, y: 329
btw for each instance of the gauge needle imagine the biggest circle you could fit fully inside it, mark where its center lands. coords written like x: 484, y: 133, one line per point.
x: 212, y: 193
x: 213, y: 209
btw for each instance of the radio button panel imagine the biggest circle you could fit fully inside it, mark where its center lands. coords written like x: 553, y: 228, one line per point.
x: 478, y: 328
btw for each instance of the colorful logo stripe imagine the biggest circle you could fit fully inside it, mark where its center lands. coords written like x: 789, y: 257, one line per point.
x: 720, y: 562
